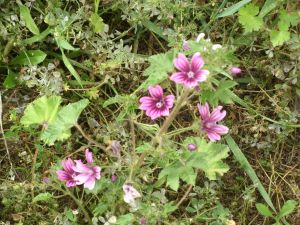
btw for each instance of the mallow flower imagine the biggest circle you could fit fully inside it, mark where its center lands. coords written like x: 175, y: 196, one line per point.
x: 67, y: 174
x: 190, y: 72
x: 209, y: 122
x: 130, y: 194
x: 87, y: 174
x: 156, y: 105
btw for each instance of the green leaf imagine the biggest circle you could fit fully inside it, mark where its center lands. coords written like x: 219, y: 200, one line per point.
x: 221, y: 94
x: 268, y: 7
x: 240, y: 157
x: 208, y: 157
x: 30, y: 57
x: 168, y: 208
x: 41, y: 111
x: 287, y: 208
x: 11, y: 79
x: 97, y: 23
x: 279, y: 37
x: 172, y: 175
x: 62, y: 43
x: 248, y: 18
x: 71, y: 68
x: 66, y: 118
x: 29, y: 22
x: 157, y: 72
x: 298, y: 91
x: 125, y: 219
x: 42, y: 197
x: 291, y: 19
x: 263, y: 210
x: 233, y: 9
x: 154, y: 28
x: 38, y: 37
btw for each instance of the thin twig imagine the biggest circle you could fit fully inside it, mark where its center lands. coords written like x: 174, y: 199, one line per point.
x: 33, y: 171
x: 184, y: 196
x: 2, y: 132
x: 102, y: 147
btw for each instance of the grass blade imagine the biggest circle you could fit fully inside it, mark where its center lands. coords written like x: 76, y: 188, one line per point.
x: 233, y: 9
x: 71, y: 68
x: 240, y: 157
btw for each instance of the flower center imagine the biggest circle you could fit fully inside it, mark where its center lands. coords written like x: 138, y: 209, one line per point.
x: 159, y: 104
x: 190, y: 74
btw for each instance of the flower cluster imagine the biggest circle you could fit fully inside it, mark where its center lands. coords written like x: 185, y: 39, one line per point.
x: 190, y: 74
x: 75, y: 172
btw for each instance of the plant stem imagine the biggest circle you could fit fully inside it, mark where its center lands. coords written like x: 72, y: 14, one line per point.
x: 172, y: 115
x: 166, y: 124
x: 184, y: 196
x: 89, y: 138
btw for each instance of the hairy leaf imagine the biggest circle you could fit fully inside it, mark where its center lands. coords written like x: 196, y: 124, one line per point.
x: 97, y: 23
x: 42, y: 197
x: 263, y: 210
x: 41, y: 111
x: 208, y: 157
x: 278, y: 37
x: 66, y: 118
x: 249, y: 19
x: 160, y: 66
x: 233, y: 9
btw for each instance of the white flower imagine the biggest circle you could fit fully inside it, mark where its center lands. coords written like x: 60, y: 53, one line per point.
x: 200, y: 36
x: 130, y: 194
x: 216, y: 46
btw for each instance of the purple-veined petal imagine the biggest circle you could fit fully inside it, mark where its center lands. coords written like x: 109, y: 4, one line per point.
x: 68, y: 165
x: 204, y: 111
x: 80, y: 167
x: 197, y: 62
x: 220, y: 129
x: 179, y: 77
x: 71, y: 183
x: 82, y: 178
x: 201, y: 75
x: 62, y: 175
x: 181, y: 63
x: 156, y: 91
x: 217, y: 114
x: 169, y: 101
x: 213, y: 136
x: 147, y: 103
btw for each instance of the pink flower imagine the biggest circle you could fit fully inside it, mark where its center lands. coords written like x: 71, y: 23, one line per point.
x: 190, y: 73
x: 68, y: 174
x: 156, y: 105
x: 192, y: 147
x: 209, y: 122
x: 130, y: 194
x: 235, y: 70
x: 87, y: 173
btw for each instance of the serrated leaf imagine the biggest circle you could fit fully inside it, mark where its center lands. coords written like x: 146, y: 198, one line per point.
x: 291, y: 19
x: 233, y: 9
x: 278, y: 37
x: 41, y: 111
x: 71, y: 68
x: 66, y: 118
x: 287, y: 208
x: 62, y: 43
x: 97, y: 23
x: 208, y: 157
x: 11, y: 79
x: 221, y: 94
x: 171, y: 174
x: 263, y: 210
x: 249, y: 19
x: 29, y: 22
x: 30, y: 57
x: 42, y: 197
x: 157, y: 72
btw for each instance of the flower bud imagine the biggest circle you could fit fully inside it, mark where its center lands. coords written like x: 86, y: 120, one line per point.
x: 192, y: 147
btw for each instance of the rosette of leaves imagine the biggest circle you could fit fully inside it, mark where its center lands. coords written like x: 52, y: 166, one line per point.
x: 207, y: 157
x: 57, y: 121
